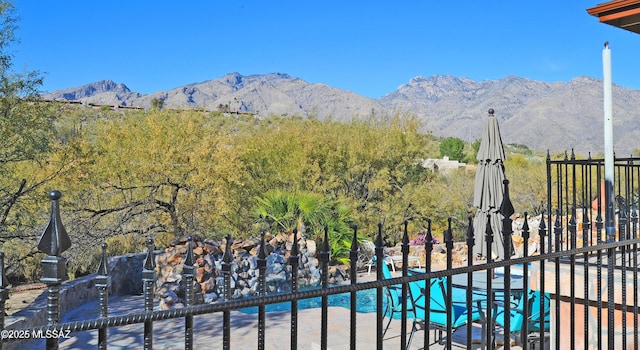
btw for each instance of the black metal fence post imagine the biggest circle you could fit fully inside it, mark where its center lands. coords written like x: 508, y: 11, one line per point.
x: 325, y: 255
x: 53, y: 242
x: 148, y: 280
x: 4, y: 293
x: 542, y: 232
x: 572, y: 227
x: 262, y: 285
x: 188, y: 271
x: 448, y: 241
x: 227, y: 261
x: 379, y: 296
x: 489, y: 332
x: 599, y: 228
x: 470, y: 243
x: 557, y: 230
x: 353, y: 256
x: 405, y: 264
x: 525, y: 281
x: 506, y: 210
x: 103, y: 282
x: 428, y: 250
x: 634, y: 263
x: 294, y: 262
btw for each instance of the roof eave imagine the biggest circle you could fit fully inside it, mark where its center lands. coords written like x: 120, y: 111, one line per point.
x: 623, y: 14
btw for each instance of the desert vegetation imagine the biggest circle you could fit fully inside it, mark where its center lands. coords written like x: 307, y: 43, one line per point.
x: 127, y: 176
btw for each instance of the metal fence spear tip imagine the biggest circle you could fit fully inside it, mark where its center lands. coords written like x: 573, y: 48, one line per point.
x: 470, y: 233
x: 379, y: 241
x: 189, y: 258
x: 227, y: 257
x: 262, y: 252
x: 54, y: 239
x: 506, y: 208
x: 405, y: 234
x: 150, y: 261
x: 294, y: 246
x: 103, y: 269
x: 326, y: 248
x: 354, y: 239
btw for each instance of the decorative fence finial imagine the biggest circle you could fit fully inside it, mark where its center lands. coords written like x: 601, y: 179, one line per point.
x: 54, y: 239
x: 325, y: 245
x: 506, y: 208
x: 103, y: 269
x: 227, y: 257
x: 295, y: 250
x: 150, y: 261
x: 262, y: 252
x: 470, y: 233
x: 189, y: 260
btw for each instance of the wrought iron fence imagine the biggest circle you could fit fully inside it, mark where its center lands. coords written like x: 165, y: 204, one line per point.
x: 580, y: 281
x: 576, y: 196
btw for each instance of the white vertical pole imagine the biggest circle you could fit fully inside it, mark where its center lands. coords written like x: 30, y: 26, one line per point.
x: 608, y: 180
x: 608, y: 143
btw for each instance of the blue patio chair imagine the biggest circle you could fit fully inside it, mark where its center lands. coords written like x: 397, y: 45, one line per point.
x: 438, y: 310
x: 537, y: 315
x: 393, y: 300
x: 517, y: 318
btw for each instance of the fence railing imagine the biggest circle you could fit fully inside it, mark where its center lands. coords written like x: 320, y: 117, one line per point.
x: 576, y: 196
x: 584, y: 283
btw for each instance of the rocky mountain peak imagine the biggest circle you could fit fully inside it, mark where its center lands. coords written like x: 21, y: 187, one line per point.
x: 544, y: 116
x: 92, y: 89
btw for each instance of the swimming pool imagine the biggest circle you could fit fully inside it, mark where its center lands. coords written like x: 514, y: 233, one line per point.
x: 365, y: 302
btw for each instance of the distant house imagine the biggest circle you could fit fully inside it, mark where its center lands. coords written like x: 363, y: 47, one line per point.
x: 443, y: 165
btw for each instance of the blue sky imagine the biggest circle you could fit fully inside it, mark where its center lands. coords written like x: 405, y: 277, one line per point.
x: 369, y: 47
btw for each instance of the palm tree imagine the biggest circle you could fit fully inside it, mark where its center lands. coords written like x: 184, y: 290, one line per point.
x: 309, y: 213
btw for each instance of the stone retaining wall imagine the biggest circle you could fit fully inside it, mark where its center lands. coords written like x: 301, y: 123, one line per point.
x: 209, y: 280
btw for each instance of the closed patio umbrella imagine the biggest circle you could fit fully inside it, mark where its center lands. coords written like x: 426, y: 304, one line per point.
x: 488, y: 189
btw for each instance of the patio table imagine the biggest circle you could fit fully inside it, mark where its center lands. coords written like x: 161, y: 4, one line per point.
x: 479, y: 282
x: 480, y: 286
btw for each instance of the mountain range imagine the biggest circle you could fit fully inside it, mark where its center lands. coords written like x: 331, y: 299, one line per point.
x: 554, y: 116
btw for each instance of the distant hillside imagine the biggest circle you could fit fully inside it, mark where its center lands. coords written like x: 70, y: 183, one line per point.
x: 556, y: 116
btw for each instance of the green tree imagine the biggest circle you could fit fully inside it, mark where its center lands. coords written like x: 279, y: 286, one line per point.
x: 527, y: 183
x: 365, y: 163
x: 27, y: 161
x: 155, y: 174
x: 452, y: 147
x: 470, y: 158
x: 157, y: 104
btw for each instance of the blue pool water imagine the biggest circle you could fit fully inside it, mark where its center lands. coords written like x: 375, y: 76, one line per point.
x: 365, y: 299
x: 365, y: 302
